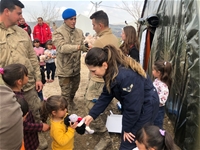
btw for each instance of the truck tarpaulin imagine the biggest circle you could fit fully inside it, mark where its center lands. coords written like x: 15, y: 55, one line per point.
x: 174, y: 36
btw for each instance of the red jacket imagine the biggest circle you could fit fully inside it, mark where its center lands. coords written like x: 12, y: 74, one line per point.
x: 26, y: 27
x: 42, y: 32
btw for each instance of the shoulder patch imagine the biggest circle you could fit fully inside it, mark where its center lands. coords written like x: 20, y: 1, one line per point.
x: 128, y: 89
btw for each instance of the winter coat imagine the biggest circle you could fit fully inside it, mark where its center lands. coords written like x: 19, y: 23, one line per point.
x: 16, y: 47
x: 26, y: 27
x: 134, y: 53
x: 11, y: 123
x: 104, y: 38
x: 137, y: 96
x: 68, y: 56
x: 42, y: 32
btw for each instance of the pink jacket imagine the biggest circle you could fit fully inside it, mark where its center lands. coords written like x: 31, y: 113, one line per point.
x: 39, y: 51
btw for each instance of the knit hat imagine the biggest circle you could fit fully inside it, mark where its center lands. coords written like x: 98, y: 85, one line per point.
x: 68, y: 13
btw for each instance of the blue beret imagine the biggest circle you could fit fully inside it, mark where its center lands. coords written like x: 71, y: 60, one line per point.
x: 68, y: 13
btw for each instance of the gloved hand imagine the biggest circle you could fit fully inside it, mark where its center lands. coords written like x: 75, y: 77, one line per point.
x: 83, y: 48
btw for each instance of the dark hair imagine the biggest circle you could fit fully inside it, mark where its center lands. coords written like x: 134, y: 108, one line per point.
x: 131, y: 39
x: 40, y: 18
x: 114, y: 58
x: 10, y: 4
x: 49, y: 42
x: 24, y: 106
x: 14, y: 72
x: 38, y: 57
x: 36, y: 41
x: 100, y: 17
x: 165, y: 69
x: 53, y: 103
x: 153, y: 137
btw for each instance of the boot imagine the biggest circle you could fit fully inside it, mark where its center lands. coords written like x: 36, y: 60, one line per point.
x: 42, y: 141
x: 103, y: 144
x: 98, y: 125
x: 72, y: 106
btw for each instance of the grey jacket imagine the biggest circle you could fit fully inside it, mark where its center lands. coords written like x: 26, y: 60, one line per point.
x: 68, y: 57
x: 11, y: 123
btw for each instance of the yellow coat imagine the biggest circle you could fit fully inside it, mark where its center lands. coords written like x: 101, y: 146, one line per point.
x: 62, y: 137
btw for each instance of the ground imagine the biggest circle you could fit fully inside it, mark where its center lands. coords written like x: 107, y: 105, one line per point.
x: 87, y: 142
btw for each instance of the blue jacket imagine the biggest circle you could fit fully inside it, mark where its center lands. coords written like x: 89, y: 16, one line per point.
x: 137, y: 95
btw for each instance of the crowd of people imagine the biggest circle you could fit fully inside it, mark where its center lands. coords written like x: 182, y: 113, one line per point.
x: 115, y: 72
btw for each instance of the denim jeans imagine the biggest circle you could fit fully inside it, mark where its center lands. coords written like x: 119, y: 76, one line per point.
x: 160, y: 117
x: 40, y: 95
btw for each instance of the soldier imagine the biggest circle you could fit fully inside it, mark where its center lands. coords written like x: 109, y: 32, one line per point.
x: 105, y: 36
x: 69, y: 42
x: 16, y: 47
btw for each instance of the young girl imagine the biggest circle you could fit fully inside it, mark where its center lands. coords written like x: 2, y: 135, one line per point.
x: 39, y: 51
x: 162, y: 72
x: 16, y: 76
x: 130, y: 45
x: 63, y: 138
x: 50, y: 63
x: 40, y: 93
x: 153, y: 138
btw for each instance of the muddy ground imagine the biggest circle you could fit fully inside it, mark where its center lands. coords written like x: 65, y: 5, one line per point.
x: 87, y: 142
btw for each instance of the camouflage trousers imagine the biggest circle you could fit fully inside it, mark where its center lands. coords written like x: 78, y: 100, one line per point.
x: 69, y: 86
x: 34, y: 103
x: 93, y: 91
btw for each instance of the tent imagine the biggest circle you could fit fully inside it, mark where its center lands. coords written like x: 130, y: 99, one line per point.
x: 176, y: 38
x: 85, y: 24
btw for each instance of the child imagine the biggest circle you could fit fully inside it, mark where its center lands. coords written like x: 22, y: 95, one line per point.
x: 153, y: 138
x: 62, y: 137
x: 162, y: 72
x: 39, y: 51
x: 16, y: 76
x: 40, y: 94
x: 50, y: 63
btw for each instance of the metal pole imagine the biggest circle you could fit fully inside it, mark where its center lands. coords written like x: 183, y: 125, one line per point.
x: 96, y: 4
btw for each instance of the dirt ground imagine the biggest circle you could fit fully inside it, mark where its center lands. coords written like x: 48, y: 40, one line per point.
x: 87, y: 142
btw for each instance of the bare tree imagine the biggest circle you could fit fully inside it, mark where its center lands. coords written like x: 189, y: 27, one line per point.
x: 49, y: 12
x: 134, y: 9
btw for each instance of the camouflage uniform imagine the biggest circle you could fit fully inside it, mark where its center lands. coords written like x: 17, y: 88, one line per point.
x: 95, y: 85
x: 16, y: 47
x: 94, y: 90
x: 67, y: 41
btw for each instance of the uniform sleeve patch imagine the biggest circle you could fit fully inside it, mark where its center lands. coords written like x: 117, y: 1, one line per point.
x: 128, y: 89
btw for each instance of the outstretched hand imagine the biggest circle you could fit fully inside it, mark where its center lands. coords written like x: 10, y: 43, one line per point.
x: 88, y: 119
x: 129, y: 136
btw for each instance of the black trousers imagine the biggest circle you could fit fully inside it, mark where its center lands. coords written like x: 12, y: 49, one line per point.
x: 51, y: 68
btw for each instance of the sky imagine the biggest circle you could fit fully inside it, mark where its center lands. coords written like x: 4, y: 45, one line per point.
x: 84, y: 7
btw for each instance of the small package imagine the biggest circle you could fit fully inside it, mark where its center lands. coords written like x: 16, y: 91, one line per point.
x: 114, y: 123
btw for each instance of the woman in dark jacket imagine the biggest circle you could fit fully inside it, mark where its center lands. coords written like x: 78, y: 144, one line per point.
x: 125, y: 80
x: 130, y: 45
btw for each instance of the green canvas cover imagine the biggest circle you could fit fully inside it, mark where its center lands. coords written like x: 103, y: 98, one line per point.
x: 177, y: 40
